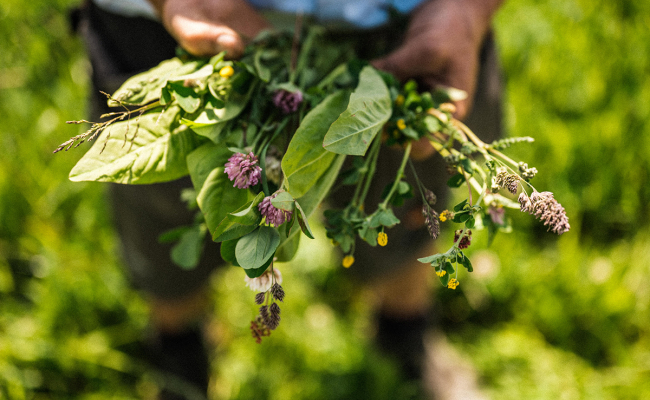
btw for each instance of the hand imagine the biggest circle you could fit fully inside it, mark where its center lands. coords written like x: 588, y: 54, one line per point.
x: 206, y: 27
x: 442, y: 45
x: 441, y: 48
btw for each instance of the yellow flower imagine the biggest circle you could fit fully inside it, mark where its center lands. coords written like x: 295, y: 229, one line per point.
x: 227, y: 71
x: 445, y: 215
x: 441, y: 273
x: 348, y: 261
x: 382, y: 239
x: 453, y: 282
x: 399, y: 100
x: 401, y: 124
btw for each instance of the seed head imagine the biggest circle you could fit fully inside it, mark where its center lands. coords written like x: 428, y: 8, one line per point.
x: 277, y: 292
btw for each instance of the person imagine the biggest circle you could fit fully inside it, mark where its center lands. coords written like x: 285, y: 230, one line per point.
x: 444, y: 43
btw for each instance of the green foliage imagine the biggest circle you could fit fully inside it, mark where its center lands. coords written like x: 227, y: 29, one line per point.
x: 368, y: 110
x: 306, y: 159
x: 540, y: 317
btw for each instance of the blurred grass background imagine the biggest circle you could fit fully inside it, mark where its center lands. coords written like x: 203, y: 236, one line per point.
x: 541, y: 317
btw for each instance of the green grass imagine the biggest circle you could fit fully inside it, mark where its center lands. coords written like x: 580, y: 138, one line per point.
x: 541, y: 317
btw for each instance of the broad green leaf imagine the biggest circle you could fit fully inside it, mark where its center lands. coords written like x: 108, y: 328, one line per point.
x: 240, y: 222
x: 203, y: 72
x: 211, y: 121
x: 147, y: 86
x: 288, y: 248
x: 306, y: 160
x: 283, y: 201
x: 187, y: 252
x: 368, y: 111
x: 148, y: 149
x: 256, y: 248
x: 216, y: 195
x: 254, y: 273
x: 302, y: 220
x: 187, y: 97
x: 228, y: 251
x: 310, y: 201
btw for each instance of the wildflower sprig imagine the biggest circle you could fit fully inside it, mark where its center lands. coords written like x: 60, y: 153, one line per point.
x: 264, y: 138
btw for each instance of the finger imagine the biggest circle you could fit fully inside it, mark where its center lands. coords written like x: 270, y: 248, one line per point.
x: 206, y: 39
x: 409, y: 61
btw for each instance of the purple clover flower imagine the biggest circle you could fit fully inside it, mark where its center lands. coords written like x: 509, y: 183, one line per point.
x: 274, y: 216
x: 288, y: 102
x: 243, y: 170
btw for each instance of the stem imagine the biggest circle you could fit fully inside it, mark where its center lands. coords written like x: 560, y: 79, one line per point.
x: 398, y: 178
x: 372, y: 166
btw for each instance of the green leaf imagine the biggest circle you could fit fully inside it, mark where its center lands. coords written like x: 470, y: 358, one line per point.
x: 467, y: 165
x: 256, y: 248
x: 228, y: 251
x: 369, y: 234
x: 434, y: 260
x: 460, y: 205
x: 456, y: 181
x: 368, y: 110
x: 306, y: 160
x: 450, y: 270
x: 383, y: 217
x: 302, y: 220
x: 466, y: 263
x: 202, y: 73
x: 147, y: 86
x: 283, y: 201
x: 187, y: 97
x: 148, y: 149
x: 211, y: 121
x: 255, y: 272
x: 261, y: 70
x: 216, y: 195
x: 187, y: 252
x: 240, y: 222
x: 288, y: 248
x: 310, y: 201
x: 469, y: 224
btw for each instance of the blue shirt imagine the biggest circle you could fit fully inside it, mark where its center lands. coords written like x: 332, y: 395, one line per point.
x: 359, y: 13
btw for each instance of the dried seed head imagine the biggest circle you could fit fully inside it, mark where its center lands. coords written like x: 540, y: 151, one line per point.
x: 430, y: 197
x: 277, y: 292
x: 259, y: 298
x: 431, y: 221
x: 274, y: 316
x: 508, y: 181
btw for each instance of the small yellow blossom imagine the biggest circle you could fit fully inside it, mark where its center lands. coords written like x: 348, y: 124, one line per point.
x: 348, y: 261
x: 401, y: 124
x: 445, y: 215
x: 395, y: 133
x: 453, y: 282
x: 382, y: 239
x: 399, y: 100
x: 227, y: 71
x: 441, y: 273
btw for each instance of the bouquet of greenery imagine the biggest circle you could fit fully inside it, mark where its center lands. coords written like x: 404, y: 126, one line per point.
x: 264, y: 139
